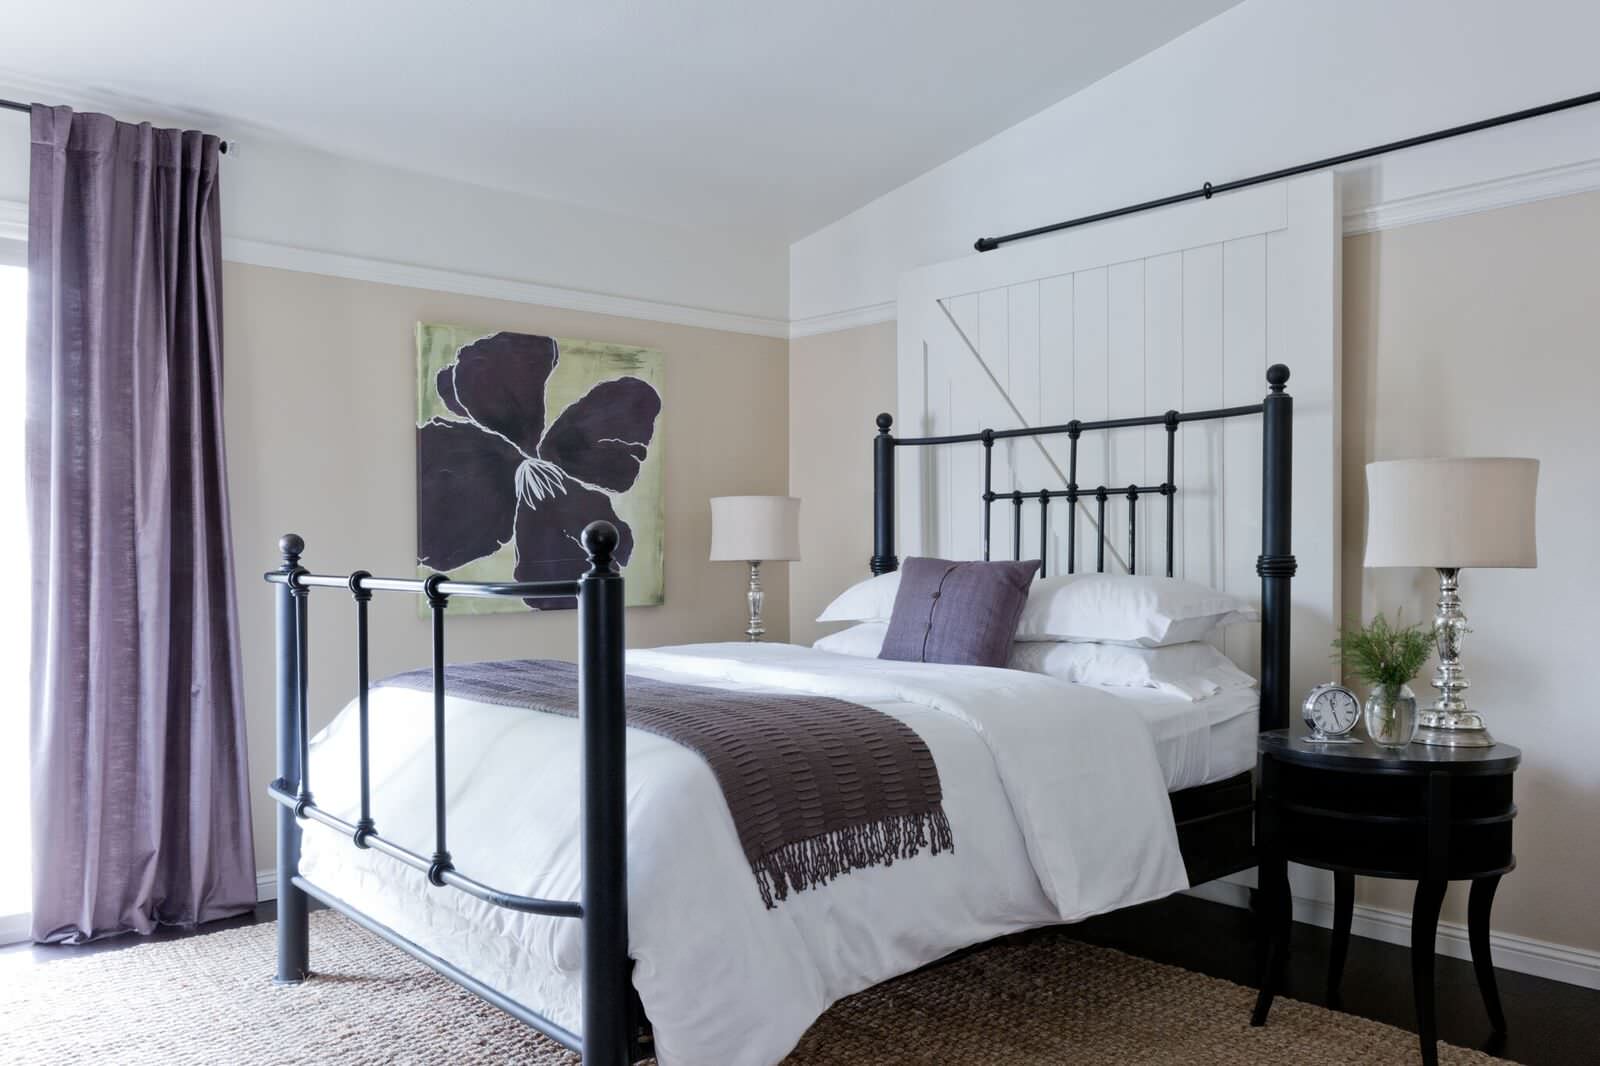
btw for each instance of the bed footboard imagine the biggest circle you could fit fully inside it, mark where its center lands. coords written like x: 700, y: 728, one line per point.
x: 614, y: 1031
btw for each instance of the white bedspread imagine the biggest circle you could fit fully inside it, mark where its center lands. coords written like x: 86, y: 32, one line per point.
x: 1054, y: 794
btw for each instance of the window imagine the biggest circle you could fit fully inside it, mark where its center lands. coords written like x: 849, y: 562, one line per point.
x: 15, y: 620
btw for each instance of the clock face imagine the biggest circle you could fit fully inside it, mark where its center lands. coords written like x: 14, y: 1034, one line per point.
x: 1332, y: 710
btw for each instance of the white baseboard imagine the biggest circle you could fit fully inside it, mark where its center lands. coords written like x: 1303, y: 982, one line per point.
x: 13, y: 929
x: 266, y: 885
x: 1574, y: 966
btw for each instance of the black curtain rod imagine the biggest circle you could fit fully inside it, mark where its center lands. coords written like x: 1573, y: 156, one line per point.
x: 1208, y: 190
x: 13, y: 105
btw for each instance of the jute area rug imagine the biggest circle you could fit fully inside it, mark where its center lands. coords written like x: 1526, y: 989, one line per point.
x: 208, y: 999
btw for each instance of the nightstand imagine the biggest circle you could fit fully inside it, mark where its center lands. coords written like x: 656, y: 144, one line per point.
x: 1425, y: 814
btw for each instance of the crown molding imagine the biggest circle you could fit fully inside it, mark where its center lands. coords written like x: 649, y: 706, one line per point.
x: 835, y: 321
x: 1543, y: 184
x: 13, y: 220
x: 360, y: 268
x: 14, y: 226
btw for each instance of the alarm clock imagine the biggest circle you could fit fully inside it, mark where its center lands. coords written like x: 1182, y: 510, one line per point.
x: 1331, y: 712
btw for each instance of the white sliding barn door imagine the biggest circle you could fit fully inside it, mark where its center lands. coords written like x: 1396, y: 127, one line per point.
x: 1182, y: 308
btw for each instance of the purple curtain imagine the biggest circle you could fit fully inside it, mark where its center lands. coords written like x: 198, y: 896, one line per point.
x: 140, y: 803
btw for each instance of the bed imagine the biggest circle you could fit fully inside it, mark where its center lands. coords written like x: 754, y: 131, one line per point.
x: 626, y: 924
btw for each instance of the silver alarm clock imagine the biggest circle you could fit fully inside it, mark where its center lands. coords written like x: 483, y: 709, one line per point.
x: 1331, y: 712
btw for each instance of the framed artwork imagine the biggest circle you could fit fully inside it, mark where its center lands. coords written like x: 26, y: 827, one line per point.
x: 523, y: 440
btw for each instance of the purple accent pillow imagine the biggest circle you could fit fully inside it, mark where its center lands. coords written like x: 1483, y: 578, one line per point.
x: 963, y: 613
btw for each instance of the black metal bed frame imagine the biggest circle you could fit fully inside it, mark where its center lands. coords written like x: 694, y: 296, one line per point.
x: 614, y: 1030
x: 1214, y: 821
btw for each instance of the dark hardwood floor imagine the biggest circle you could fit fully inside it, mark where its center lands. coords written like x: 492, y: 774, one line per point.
x: 1551, y: 1024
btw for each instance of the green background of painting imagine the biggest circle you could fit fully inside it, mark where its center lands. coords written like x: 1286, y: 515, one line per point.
x: 582, y: 365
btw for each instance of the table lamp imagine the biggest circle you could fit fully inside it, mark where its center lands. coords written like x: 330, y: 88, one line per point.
x: 1451, y: 514
x: 755, y: 529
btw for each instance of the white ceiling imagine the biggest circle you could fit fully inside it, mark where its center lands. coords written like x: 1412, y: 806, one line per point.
x: 770, y: 116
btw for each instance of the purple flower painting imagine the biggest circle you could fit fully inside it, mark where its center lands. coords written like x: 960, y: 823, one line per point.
x: 517, y: 452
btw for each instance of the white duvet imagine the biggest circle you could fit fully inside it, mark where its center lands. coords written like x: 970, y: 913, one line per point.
x: 1054, y: 794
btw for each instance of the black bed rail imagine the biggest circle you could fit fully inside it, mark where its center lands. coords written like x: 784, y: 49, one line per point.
x: 613, y: 1029
x: 1275, y: 564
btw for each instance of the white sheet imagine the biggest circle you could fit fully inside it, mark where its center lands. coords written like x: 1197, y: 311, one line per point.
x: 1198, y: 741
x: 1054, y: 793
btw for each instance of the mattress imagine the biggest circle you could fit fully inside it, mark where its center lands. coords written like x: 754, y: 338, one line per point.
x: 1198, y: 741
x: 1054, y: 793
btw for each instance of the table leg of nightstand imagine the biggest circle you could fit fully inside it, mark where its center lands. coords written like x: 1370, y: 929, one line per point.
x: 1344, y: 904
x: 1277, y: 919
x: 1424, y: 930
x: 1478, y: 905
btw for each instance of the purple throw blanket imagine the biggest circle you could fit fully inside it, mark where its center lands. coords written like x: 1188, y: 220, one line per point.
x: 817, y: 787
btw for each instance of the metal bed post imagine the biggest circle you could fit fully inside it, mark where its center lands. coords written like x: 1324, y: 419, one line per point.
x: 988, y: 487
x: 293, y: 927
x: 1073, y: 432
x: 607, y: 1031
x: 883, y: 557
x: 1276, y: 565
x: 437, y: 602
x: 365, y: 826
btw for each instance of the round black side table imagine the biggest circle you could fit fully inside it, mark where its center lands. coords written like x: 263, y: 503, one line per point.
x: 1425, y: 814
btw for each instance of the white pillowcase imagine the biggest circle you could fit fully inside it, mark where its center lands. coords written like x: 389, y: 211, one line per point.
x: 1149, y: 612
x: 871, y: 600
x: 864, y: 640
x: 1192, y: 671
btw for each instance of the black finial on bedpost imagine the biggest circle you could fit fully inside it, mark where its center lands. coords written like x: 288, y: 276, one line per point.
x: 883, y: 557
x: 1277, y: 564
x: 602, y: 721
x: 293, y: 925
x: 600, y: 540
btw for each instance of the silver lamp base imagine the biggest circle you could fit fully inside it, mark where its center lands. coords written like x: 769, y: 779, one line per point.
x: 1446, y: 729
x: 1450, y: 723
x: 756, y: 630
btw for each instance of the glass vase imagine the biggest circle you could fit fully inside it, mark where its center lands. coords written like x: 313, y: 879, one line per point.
x: 1391, y: 715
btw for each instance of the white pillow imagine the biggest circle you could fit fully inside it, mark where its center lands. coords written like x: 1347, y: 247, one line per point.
x: 871, y: 600
x: 864, y: 640
x: 1193, y: 671
x: 1141, y: 610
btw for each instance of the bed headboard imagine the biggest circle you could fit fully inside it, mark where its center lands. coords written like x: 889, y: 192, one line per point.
x: 1275, y: 563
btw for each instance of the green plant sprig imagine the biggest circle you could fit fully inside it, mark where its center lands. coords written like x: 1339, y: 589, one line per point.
x: 1382, y: 654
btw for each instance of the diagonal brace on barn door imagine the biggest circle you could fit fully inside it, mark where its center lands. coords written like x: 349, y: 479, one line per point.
x: 1037, y: 442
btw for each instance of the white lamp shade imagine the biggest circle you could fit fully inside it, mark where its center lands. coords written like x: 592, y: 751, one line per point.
x: 755, y: 528
x: 1452, y: 513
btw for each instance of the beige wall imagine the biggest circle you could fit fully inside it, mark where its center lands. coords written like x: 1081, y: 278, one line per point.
x: 838, y: 382
x: 1478, y: 335
x: 320, y: 393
